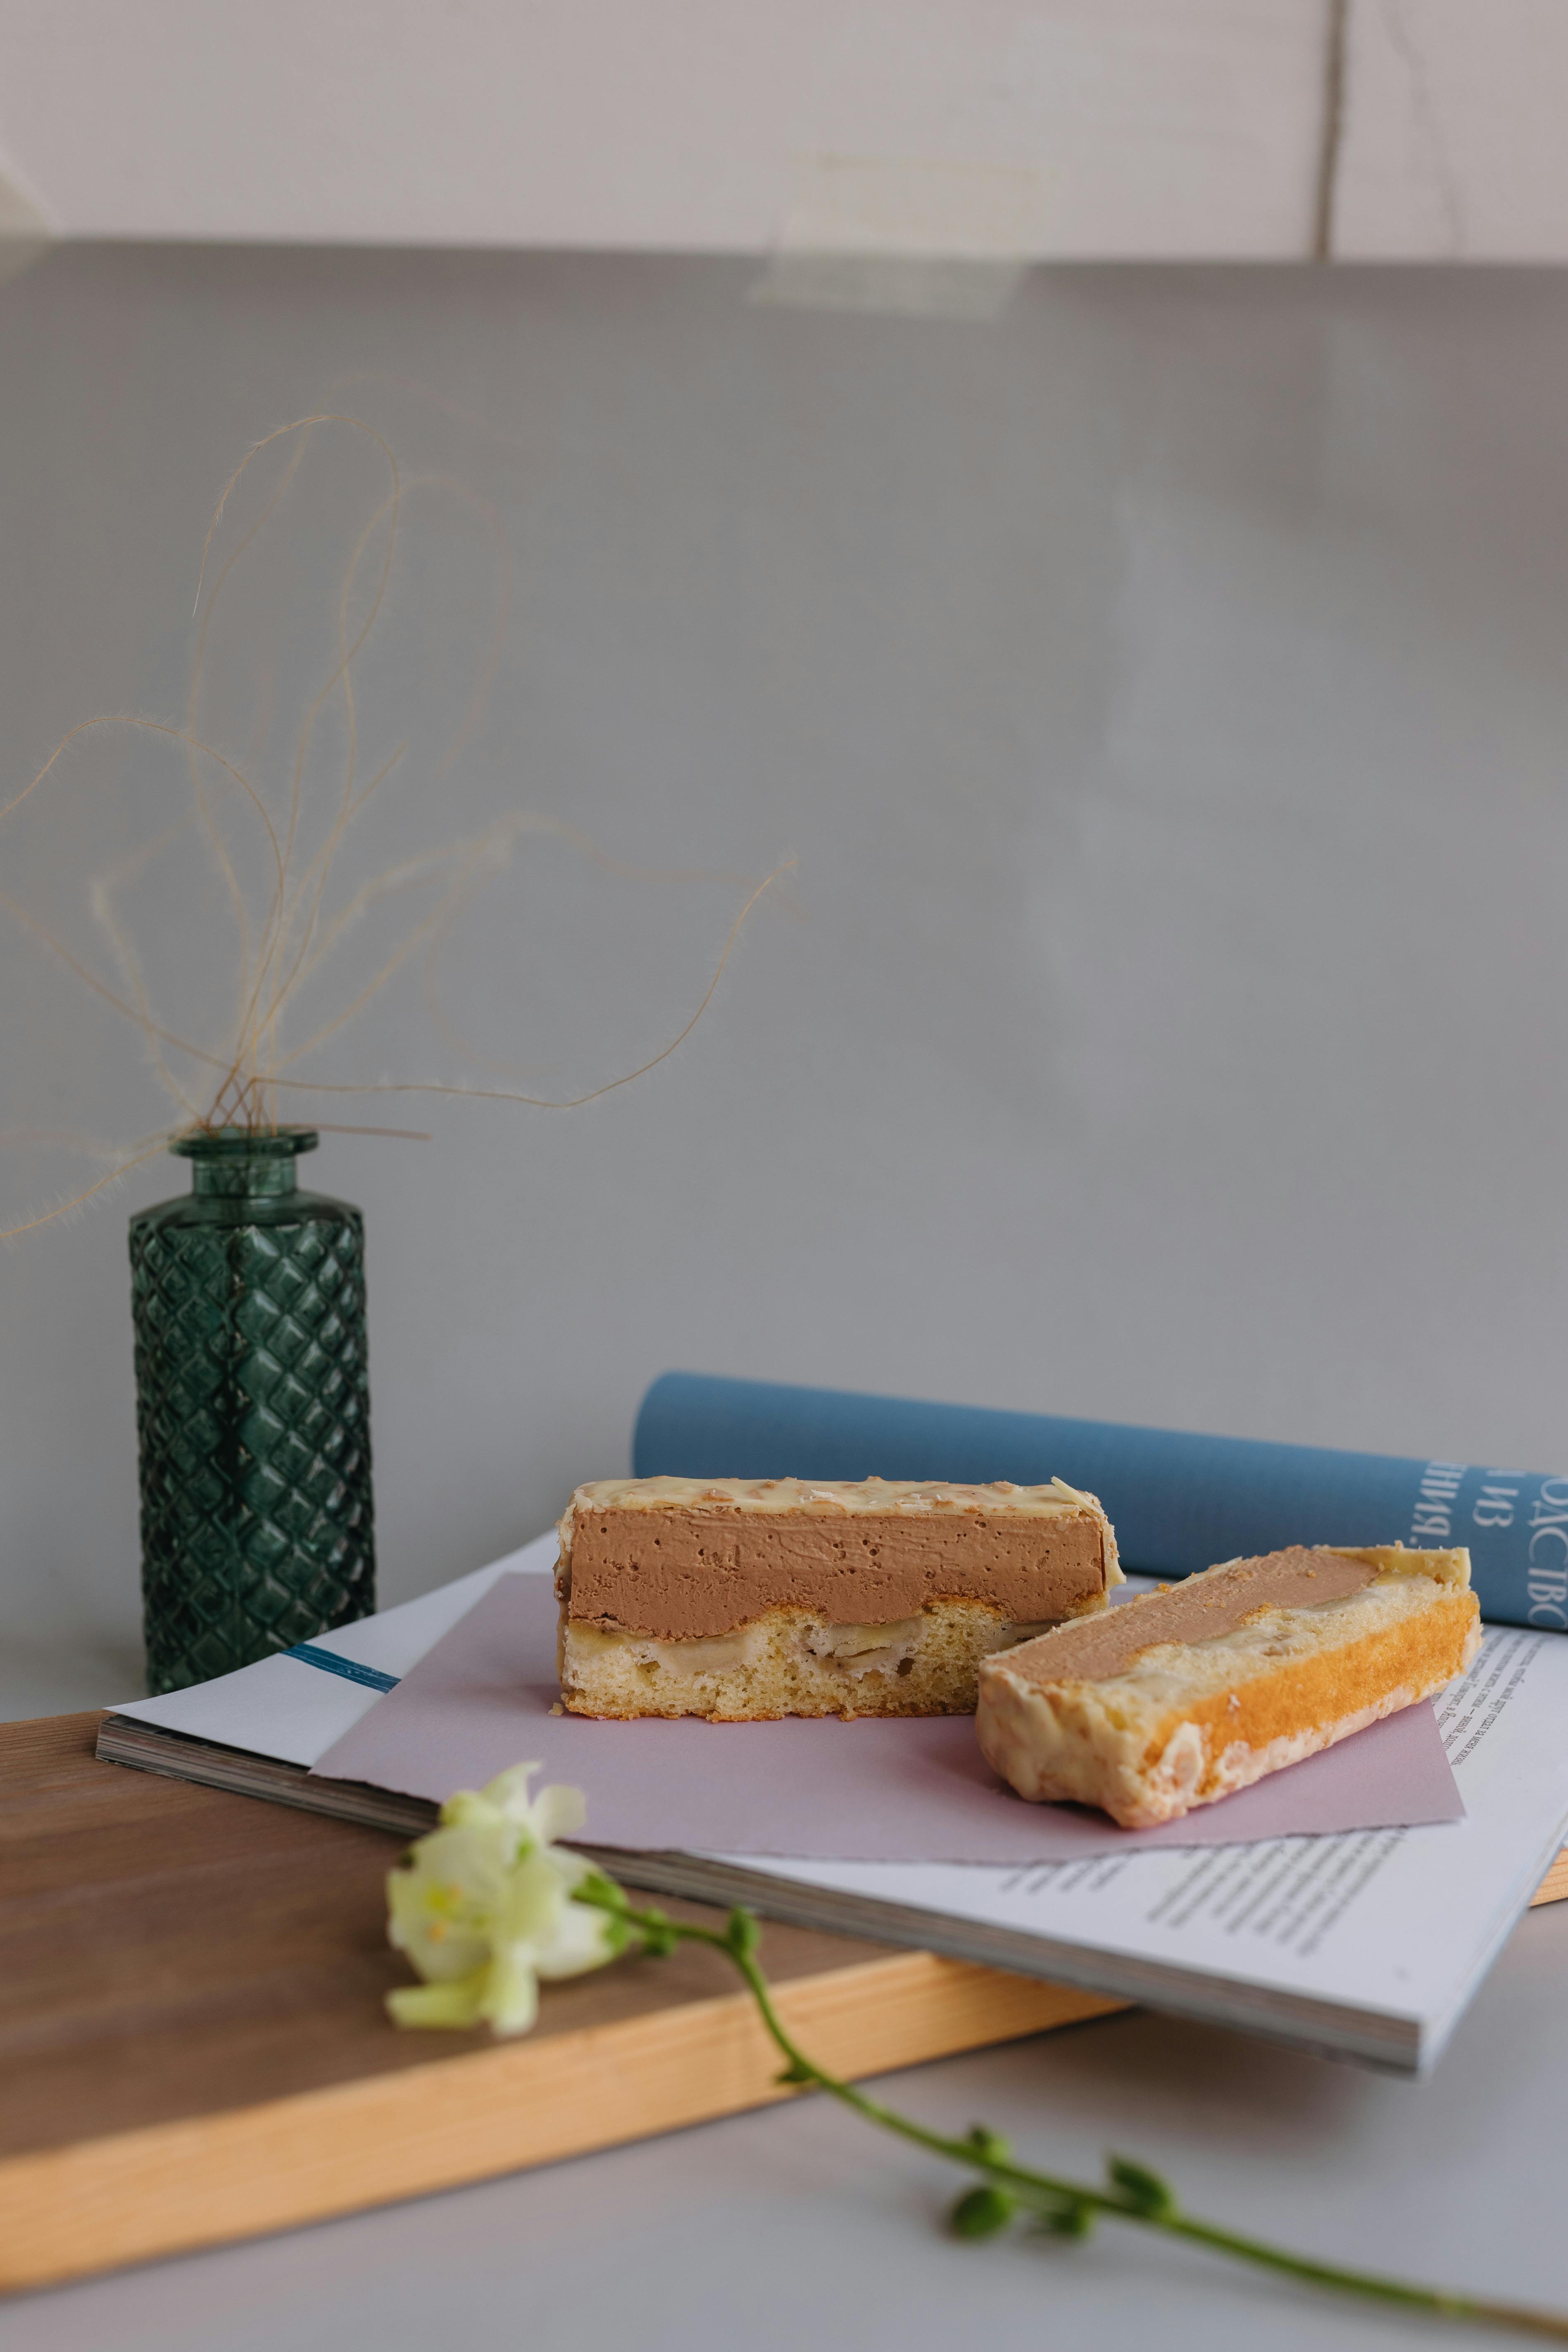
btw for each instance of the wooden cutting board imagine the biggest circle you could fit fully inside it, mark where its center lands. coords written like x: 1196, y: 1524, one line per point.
x: 193, y: 2046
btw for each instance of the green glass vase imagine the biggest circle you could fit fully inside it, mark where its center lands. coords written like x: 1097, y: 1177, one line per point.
x: 252, y: 1410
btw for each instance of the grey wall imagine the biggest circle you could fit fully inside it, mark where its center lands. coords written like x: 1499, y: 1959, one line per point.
x: 1162, y: 692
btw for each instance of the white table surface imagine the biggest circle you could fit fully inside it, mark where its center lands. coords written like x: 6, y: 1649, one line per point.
x: 801, y: 2226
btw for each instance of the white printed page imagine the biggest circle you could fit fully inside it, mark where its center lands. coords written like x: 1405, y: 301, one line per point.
x: 284, y: 1709
x: 1393, y: 1924
x: 1398, y: 1923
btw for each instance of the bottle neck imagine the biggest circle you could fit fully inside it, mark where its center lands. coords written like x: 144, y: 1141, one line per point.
x: 259, y: 1178
x: 237, y: 1163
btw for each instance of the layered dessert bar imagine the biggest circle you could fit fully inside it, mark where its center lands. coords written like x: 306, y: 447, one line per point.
x: 1184, y: 1694
x: 741, y: 1598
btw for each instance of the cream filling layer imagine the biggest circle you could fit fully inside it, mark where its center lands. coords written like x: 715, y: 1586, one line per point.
x: 853, y: 1650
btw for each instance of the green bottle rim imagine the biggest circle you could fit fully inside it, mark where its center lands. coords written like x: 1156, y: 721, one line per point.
x: 246, y: 1142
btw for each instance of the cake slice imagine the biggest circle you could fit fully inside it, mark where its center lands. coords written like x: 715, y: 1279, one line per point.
x: 1186, y: 1694
x: 741, y: 1598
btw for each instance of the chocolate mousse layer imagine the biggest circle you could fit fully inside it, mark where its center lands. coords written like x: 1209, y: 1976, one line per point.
x: 697, y: 1560
x: 1219, y: 1601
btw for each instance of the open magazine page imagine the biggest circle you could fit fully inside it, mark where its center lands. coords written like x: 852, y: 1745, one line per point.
x: 288, y: 1708
x: 1367, y: 1942
x: 1397, y: 1923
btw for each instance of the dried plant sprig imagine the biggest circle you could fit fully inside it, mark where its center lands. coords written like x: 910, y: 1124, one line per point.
x: 285, y: 934
x: 263, y: 993
x: 483, y: 1909
x: 78, y: 1199
x: 198, y: 663
x: 547, y: 1102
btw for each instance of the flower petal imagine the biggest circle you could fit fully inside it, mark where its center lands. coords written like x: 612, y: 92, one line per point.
x: 534, y: 1899
x: 466, y: 1809
x: 508, y: 1791
x: 510, y: 1997
x: 584, y: 1940
x: 559, y: 1812
x: 456, y: 2005
x: 483, y: 1907
x: 441, y: 1908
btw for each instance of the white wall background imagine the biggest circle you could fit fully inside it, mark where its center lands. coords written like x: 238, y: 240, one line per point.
x: 1164, y: 692
x: 1052, y: 129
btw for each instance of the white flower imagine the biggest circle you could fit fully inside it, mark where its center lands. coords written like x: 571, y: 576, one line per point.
x: 484, y: 1908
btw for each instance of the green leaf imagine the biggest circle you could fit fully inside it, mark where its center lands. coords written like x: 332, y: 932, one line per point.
x: 601, y: 1892
x: 1144, y: 2190
x: 1070, y: 2221
x: 656, y: 1935
x: 795, y: 2072
x: 990, y: 2144
x: 981, y: 2212
x: 745, y: 1935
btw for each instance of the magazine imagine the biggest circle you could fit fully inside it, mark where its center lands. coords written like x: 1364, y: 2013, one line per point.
x: 1365, y: 1944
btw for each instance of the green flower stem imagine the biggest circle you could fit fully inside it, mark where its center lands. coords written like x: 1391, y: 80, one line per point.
x: 1064, y: 2206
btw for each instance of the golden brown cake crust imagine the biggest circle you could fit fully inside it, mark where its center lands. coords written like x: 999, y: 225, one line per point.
x: 1419, y: 1655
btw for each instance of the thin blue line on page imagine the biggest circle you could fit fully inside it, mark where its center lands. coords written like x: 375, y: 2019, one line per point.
x: 308, y: 1654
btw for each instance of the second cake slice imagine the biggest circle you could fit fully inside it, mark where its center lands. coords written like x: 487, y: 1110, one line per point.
x: 745, y: 1599
x: 1185, y: 1695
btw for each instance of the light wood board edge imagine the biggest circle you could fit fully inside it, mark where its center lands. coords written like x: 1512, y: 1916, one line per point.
x: 1553, y: 1887
x: 210, y: 2179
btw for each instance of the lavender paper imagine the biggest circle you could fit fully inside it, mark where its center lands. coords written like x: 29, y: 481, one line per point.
x: 912, y: 1790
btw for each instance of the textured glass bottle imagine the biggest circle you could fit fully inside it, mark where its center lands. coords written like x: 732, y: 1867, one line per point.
x: 252, y: 1408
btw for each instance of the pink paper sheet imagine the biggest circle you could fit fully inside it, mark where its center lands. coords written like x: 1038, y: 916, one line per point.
x: 913, y: 1789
